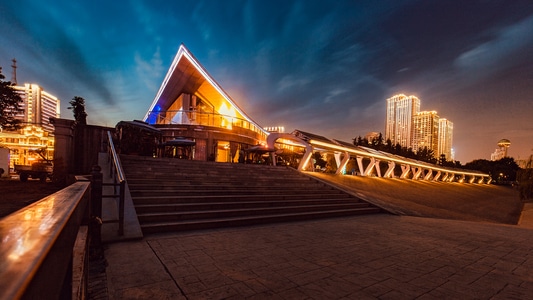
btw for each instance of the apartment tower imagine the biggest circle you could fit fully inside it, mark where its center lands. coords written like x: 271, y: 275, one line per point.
x: 426, y: 131
x: 401, y: 110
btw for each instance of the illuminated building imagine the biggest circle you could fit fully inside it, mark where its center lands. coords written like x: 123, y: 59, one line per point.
x: 399, y: 125
x: 445, y: 139
x: 190, y: 104
x: 426, y: 131
x: 279, y: 129
x: 408, y: 126
x: 37, y: 132
x: 501, y: 151
x: 39, y: 106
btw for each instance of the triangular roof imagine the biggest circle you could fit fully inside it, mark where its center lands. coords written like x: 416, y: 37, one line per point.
x: 187, y: 75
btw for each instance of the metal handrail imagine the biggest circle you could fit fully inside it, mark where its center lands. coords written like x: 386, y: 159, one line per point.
x: 119, y: 180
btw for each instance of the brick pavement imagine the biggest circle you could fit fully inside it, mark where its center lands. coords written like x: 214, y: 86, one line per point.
x: 363, y: 257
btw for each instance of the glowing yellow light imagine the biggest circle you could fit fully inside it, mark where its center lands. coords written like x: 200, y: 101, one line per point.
x: 228, y: 115
x: 377, y: 156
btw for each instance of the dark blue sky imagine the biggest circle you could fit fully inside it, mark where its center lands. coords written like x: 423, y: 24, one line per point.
x: 325, y: 67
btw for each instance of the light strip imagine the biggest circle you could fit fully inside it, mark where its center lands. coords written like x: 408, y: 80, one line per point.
x: 184, y: 52
x: 358, y: 152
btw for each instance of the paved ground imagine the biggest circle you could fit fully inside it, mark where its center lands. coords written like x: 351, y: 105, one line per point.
x: 364, y: 257
x: 452, y: 241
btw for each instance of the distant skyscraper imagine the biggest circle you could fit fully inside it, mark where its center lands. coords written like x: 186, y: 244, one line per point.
x: 408, y: 126
x: 38, y: 106
x: 445, y: 139
x: 36, y: 131
x: 400, y: 112
x: 426, y: 131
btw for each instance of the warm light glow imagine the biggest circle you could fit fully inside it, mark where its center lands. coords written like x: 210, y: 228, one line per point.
x: 183, y: 53
x: 228, y: 115
x: 397, y: 160
x: 279, y: 129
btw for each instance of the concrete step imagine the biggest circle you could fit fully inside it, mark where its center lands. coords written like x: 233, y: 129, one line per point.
x: 232, y: 198
x: 241, y: 212
x: 184, y: 185
x: 173, y: 195
x: 265, y: 191
x: 186, y: 207
x: 251, y: 220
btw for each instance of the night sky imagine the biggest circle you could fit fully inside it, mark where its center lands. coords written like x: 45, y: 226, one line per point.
x: 325, y: 67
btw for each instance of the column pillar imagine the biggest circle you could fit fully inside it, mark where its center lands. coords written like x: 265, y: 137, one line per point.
x: 63, y: 148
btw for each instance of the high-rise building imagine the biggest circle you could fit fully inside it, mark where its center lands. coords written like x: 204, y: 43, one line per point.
x: 426, y: 131
x: 38, y: 106
x: 400, y: 112
x: 36, y: 131
x: 445, y: 139
x: 408, y: 126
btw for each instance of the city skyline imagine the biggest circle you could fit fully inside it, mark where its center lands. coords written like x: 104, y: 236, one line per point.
x: 412, y: 128
x: 305, y: 65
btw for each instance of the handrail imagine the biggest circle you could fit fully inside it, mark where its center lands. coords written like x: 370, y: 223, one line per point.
x: 35, y: 242
x: 114, y: 155
x: 214, y: 119
x: 119, y: 180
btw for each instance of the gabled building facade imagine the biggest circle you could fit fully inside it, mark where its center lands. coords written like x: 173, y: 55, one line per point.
x: 190, y: 104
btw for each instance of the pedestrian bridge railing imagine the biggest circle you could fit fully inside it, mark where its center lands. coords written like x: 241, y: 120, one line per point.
x: 343, y: 152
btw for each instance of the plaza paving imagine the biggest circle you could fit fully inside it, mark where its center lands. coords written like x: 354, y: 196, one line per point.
x: 448, y: 241
x: 365, y: 257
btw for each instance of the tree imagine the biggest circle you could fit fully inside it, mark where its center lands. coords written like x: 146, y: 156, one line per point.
x: 10, y: 105
x: 426, y: 154
x: 525, y: 180
x: 78, y: 107
x: 377, y: 142
x: 319, y: 160
x: 502, y: 171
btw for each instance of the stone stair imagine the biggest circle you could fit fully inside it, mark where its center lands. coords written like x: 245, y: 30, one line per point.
x: 177, y: 195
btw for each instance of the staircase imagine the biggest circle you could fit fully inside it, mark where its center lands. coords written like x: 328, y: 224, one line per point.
x: 178, y: 195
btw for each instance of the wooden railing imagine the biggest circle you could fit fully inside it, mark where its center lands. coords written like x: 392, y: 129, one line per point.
x: 119, y: 181
x: 44, y: 247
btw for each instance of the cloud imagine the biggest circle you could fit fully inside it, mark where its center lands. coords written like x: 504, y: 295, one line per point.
x: 489, y: 57
x: 332, y: 94
x: 290, y: 82
x: 149, y: 71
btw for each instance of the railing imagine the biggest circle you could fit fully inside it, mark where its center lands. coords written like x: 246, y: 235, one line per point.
x: 44, y: 247
x: 194, y: 117
x: 119, y: 181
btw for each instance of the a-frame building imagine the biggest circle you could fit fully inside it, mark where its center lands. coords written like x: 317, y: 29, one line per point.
x: 191, y: 105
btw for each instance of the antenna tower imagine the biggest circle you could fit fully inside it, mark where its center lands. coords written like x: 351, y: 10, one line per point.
x: 14, y: 76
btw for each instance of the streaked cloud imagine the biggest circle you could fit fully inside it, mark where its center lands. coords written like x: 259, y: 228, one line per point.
x: 324, y: 67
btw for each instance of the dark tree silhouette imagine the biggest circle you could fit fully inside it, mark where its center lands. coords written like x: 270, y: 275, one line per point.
x: 10, y: 105
x: 501, y: 171
x: 378, y: 143
x: 78, y: 107
x: 525, y: 180
x: 319, y: 160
